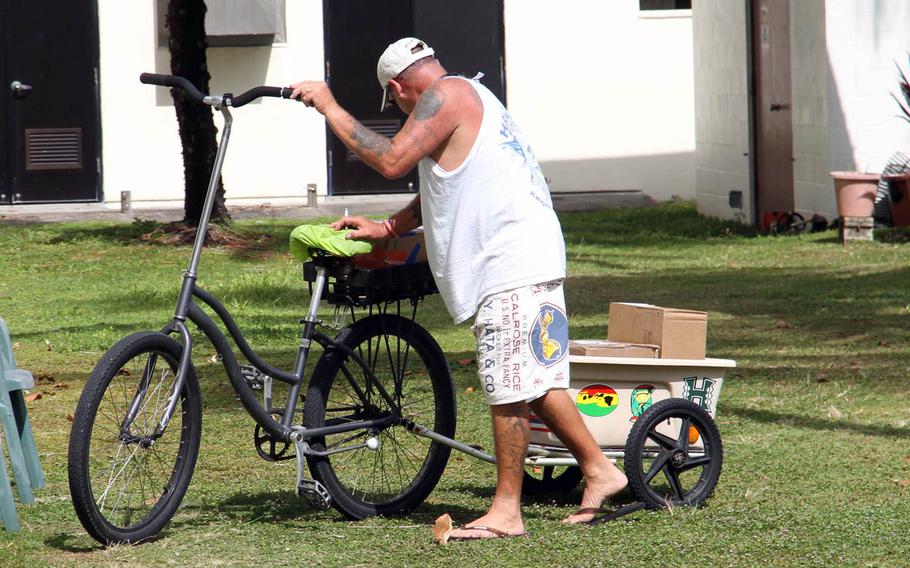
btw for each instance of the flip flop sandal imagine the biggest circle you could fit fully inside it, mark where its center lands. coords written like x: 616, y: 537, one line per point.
x: 493, y: 531
x: 593, y: 511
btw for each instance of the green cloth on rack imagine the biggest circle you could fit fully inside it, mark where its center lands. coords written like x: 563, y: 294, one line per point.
x: 306, y: 237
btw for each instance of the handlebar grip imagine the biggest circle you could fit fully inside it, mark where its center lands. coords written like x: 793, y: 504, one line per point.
x: 172, y: 81
x: 256, y: 92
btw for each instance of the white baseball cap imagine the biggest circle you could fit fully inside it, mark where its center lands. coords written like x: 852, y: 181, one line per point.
x: 395, y: 59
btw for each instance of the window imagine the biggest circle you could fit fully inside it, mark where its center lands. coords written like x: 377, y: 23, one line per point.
x: 236, y: 22
x: 645, y: 5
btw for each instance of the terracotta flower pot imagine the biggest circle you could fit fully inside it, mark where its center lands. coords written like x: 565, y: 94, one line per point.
x: 899, y: 190
x: 855, y: 193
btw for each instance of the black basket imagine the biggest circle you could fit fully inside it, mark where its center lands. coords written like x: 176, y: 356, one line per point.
x: 350, y: 285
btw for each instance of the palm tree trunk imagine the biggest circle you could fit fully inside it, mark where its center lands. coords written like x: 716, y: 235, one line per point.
x: 186, y: 22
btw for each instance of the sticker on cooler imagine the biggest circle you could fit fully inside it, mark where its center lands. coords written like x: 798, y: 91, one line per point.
x: 597, y: 400
x: 641, y: 400
x: 699, y: 391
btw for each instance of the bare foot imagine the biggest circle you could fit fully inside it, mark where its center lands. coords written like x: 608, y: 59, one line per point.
x: 598, y: 488
x: 511, y: 526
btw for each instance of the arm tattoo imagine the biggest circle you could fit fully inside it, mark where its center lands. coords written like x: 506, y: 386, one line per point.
x: 429, y: 104
x: 369, y: 141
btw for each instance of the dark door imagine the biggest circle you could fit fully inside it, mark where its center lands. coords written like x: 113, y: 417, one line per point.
x: 466, y: 35
x: 357, y: 32
x: 50, y: 107
x: 773, y: 113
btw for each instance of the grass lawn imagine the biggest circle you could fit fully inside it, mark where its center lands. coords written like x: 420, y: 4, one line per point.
x: 815, y: 419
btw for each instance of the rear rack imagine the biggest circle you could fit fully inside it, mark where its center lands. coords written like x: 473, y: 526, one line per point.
x: 349, y: 285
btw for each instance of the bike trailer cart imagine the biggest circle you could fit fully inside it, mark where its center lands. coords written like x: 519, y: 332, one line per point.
x: 655, y: 414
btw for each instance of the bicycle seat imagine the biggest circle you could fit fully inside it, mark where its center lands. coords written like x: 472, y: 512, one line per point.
x: 306, y: 239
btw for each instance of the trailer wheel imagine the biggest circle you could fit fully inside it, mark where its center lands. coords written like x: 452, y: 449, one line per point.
x: 673, y: 455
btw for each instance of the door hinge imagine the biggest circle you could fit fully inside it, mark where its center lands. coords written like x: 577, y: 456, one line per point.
x: 330, y: 158
x: 98, y: 165
x: 96, y: 77
x: 328, y: 71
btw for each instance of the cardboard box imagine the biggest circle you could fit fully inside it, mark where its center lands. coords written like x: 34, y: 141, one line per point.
x: 409, y: 248
x: 606, y: 348
x: 681, y: 334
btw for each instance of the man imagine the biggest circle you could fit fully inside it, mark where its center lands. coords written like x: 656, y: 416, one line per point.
x: 496, y: 250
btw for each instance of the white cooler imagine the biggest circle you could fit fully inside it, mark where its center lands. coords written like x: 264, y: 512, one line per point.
x: 611, y: 392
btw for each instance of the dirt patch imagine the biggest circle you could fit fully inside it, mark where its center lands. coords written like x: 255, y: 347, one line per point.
x: 179, y: 233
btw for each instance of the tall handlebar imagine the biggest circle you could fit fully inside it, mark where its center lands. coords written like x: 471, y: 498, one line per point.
x: 229, y: 100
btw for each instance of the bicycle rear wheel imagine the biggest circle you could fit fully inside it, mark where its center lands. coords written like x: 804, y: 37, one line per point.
x: 125, y: 483
x: 405, y: 374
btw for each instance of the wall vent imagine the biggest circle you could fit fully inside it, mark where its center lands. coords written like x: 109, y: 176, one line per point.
x: 53, y: 149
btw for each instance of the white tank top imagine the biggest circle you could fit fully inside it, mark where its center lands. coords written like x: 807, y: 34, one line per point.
x: 489, y: 223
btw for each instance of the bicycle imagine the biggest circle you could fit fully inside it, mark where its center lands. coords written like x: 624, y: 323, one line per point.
x: 373, y: 437
x: 136, y: 430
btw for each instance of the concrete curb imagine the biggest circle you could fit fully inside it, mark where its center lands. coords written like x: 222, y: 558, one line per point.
x: 371, y: 205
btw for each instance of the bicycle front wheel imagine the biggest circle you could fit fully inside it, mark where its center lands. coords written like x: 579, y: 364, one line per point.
x: 126, y: 482
x: 381, y: 471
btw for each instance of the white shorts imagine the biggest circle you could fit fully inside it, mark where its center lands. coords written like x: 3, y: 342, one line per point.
x: 522, y: 343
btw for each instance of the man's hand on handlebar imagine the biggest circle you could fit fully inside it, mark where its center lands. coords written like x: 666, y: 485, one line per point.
x: 314, y: 94
x: 364, y: 229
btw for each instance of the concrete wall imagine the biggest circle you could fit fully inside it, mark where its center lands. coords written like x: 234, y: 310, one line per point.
x: 722, y: 136
x: 276, y: 147
x: 812, y: 188
x: 842, y: 61
x: 864, y: 40
x: 605, y: 94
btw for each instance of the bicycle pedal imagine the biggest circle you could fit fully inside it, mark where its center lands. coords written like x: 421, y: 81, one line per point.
x: 252, y: 376
x: 314, y: 492
x: 310, y: 489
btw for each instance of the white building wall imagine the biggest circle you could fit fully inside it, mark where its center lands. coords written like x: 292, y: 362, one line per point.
x: 276, y: 147
x: 605, y: 94
x: 722, y: 162
x: 809, y: 84
x: 864, y: 39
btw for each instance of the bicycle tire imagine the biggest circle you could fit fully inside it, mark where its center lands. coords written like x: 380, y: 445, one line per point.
x: 150, y: 486
x: 358, y: 480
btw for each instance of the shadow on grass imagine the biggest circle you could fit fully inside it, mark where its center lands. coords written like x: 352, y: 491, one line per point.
x: 564, y: 499
x: 117, y: 233
x: 750, y: 292
x: 70, y: 543
x: 672, y: 221
x: 808, y: 422
x: 280, y: 506
x: 428, y: 513
x: 125, y: 329
x: 240, y: 240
